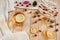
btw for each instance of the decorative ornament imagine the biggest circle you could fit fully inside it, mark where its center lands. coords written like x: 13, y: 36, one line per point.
x: 34, y: 3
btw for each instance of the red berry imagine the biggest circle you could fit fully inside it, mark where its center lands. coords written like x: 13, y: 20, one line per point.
x: 35, y: 21
x: 25, y: 9
x: 19, y: 2
x: 44, y: 12
x: 37, y: 12
x: 39, y: 19
x: 56, y: 30
x: 52, y: 11
x: 30, y: 12
x: 22, y: 5
x: 40, y: 6
x: 35, y: 35
x: 55, y: 8
x: 27, y: 5
x: 45, y: 9
x: 56, y: 14
x: 51, y: 26
x: 57, y: 24
x: 39, y: 31
x: 38, y: 15
x: 15, y: 1
x: 17, y: 5
x: 34, y: 16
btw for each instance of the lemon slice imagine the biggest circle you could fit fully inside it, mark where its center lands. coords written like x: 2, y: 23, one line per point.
x: 20, y: 18
x: 50, y: 34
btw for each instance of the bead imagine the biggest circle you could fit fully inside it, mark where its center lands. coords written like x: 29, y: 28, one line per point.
x: 34, y: 3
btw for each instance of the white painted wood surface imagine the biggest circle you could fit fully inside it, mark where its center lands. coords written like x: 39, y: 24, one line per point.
x: 7, y: 5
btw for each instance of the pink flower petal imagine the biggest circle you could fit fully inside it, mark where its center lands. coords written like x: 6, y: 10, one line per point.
x: 26, y: 2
